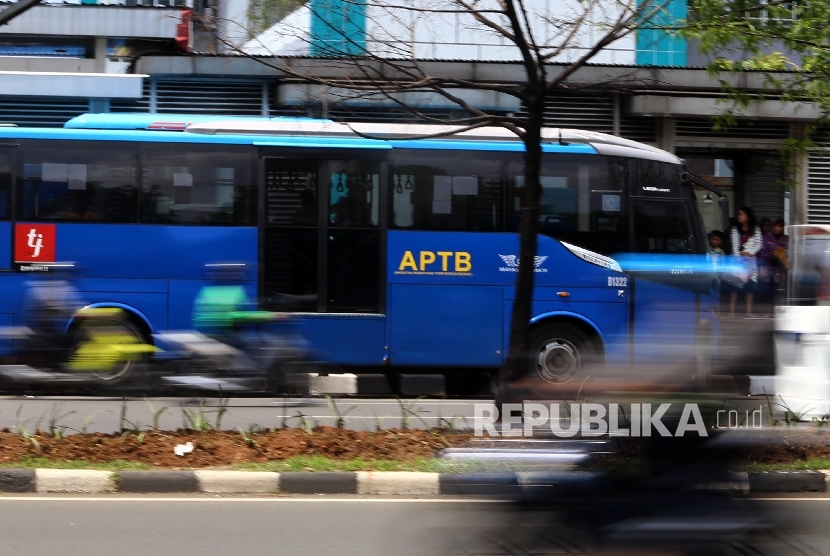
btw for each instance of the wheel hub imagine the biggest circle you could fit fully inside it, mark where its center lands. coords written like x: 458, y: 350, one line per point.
x: 557, y: 360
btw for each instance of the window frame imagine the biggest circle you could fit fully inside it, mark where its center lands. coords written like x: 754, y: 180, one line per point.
x: 450, y: 154
x: 250, y: 151
x: 25, y: 145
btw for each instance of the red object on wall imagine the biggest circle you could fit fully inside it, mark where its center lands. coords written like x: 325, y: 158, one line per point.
x: 34, y: 243
x: 184, y: 31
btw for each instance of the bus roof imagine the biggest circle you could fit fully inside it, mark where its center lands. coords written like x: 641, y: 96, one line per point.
x: 320, y: 133
x: 601, y: 142
x: 155, y: 122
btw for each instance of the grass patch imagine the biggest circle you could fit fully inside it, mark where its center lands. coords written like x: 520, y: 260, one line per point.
x: 44, y: 463
x: 322, y: 463
x: 812, y: 464
x: 423, y: 465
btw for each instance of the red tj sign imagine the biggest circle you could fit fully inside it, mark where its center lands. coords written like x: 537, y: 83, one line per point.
x: 34, y: 243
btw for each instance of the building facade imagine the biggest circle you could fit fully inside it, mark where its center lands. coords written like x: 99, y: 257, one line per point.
x: 163, y: 56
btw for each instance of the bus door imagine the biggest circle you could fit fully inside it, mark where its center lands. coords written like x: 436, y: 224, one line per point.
x: 322, y: 252
x: 666, y: 303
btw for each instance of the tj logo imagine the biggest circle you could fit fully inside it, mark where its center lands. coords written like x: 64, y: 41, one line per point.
x: 35, y: 242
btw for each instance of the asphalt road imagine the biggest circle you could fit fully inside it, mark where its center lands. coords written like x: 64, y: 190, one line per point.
x: 104, y: 414
x: 130, y: 526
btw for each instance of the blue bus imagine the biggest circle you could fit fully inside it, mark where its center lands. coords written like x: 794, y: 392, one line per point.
x: 399, y: 253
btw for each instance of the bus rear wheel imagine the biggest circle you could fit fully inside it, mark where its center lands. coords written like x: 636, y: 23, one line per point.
x: 560, y: 352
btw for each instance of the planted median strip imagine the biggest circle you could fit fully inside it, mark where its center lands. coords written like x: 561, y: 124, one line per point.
x: 306, y: 459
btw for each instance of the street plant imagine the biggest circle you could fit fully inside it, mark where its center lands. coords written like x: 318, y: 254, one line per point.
x: 339, y: 418
x: 283, y: 421
x: 196, y: 420
x: 54, y: 418
x: 450, y: 424
x: 407, y: 412
x: 221, y: 409
x: 792, y: 417
x: 304, y: 423
x: 156, y: 414
x: 248, y: 435
x: 88, y: 421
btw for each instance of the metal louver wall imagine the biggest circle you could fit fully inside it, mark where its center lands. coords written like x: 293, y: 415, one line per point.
x: 209, y: 97
x: 41, y: 112
x: 638, y: 129
x: 704, y: 127
x: 196, y: 96
x: 818, y: 187
x: 588, y: 112
x: 366, y: 114
x: 133, y: 104
x: 765, y: 192
x: 595, y: 112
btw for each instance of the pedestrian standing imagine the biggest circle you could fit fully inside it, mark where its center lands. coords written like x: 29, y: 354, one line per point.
x: 763, y: 295
x: 776, y: 260
x: 746, y: 242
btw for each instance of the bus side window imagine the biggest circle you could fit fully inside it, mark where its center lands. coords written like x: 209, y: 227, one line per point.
x: 354, y: 190
x: 446, y: 190
x: 84, y: 182
x: 5, y: 185
x: 583, y: 201
x: 197, y: 185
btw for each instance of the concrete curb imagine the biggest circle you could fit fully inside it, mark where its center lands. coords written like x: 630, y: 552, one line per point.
x: 238, y: 482
x: 17, y: 480
x: 73, y: 480
x: 388, y: 483
x: 318, y: 483
x: 397, y: 482
x: 157, y: 481
x: 788, y: 481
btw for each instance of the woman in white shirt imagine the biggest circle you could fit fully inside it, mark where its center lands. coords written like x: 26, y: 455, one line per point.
x: 746, y: 242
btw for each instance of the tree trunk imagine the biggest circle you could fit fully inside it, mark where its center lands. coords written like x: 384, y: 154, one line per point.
x: 518, y: 358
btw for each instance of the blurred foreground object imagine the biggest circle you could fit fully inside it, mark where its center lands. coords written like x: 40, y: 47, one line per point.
x: 802, y: 328
x: 233, y: 345
x: 65, y: 340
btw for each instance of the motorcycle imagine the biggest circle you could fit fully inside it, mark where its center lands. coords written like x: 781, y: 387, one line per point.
x: 64, y: 341
x: 233, y: 346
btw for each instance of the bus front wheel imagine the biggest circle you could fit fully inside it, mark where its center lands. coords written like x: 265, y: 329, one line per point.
x: 560, y: 352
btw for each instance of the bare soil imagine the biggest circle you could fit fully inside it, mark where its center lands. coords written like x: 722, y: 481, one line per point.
x: 223, y: 448
x: 777, y: 445
x: 220, y: 448
x: 796, y: 446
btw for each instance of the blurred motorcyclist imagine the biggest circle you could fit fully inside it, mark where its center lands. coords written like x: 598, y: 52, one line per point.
x: 48, y: 306
x: 223, y: 311
x: 218, y: 306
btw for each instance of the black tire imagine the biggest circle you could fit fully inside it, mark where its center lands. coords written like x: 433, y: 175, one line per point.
x: 127, y: 376
x: 560, y: 352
